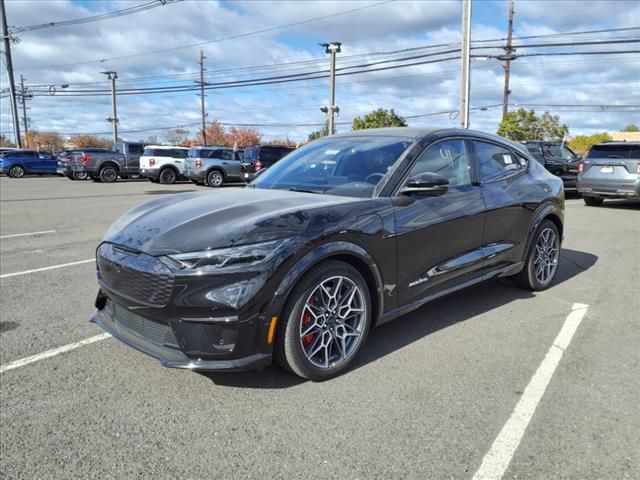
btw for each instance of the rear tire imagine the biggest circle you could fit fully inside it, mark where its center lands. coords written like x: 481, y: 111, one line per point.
x: 541, y: 262
x: 79, y: 176
x: 215, y: 178
x: 16, y: 171
x: 332, y: 303
x: 592, y: 201
x: 108, y: 174
x: 168, y: 176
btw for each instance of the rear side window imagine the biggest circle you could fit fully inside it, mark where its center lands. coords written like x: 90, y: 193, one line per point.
x: 611, y: 151
x: 495, y: 161
x: 135, y: 149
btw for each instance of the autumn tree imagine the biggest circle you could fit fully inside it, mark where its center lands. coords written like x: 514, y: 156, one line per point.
x: 243, y: 137
x: 5, y: 142
x: 632, y: 127
x: 89, y: 141
x: 524, y: 125
x: 379, y: 118
x: 582, y: 143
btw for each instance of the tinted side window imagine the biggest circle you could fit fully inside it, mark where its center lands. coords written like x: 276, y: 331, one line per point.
x: 135, y: 149
x: 495, y: 161
x: 447, y: 158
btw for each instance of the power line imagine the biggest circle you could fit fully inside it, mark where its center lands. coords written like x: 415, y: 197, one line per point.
x: 94, y: 18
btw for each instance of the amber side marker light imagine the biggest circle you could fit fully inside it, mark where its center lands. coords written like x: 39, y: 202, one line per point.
x: 272, y: 329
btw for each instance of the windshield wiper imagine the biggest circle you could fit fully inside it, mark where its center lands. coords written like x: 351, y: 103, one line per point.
x: 294, y: 189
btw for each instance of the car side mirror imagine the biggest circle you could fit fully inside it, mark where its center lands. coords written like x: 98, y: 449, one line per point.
x: 579, y: 157
x: 429, y: 183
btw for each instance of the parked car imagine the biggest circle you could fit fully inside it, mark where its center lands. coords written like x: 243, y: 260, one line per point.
x: 213, y: 166
x: 558, y: 159
x: 99, y: 164
x: 610, y: 170
x: 260, y: 157
x: 132, y: 152
x: 18, y: 163
x: 345, y: 233
x: 70, y: 162
x: 163, y: 163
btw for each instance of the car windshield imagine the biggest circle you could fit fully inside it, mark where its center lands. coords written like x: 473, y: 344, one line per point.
x: 348, y: 166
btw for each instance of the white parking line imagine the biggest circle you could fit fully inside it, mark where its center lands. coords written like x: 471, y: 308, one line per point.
x: 499, y: 457
x: 44, y: 269
x: 26, y: 234
x: 52, y: 353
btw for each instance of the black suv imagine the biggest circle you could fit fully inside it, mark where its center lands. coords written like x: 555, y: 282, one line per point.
x: 261, y: 157
x: 558, y: 159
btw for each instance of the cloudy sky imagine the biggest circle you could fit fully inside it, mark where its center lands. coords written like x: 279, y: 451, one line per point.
x: 159, y: 47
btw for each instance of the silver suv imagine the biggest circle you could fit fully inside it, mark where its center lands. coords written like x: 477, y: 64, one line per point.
x: 610, y: 170
x: 213, y: 166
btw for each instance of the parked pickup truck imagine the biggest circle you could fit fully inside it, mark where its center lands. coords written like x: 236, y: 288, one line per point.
x: 558, y: 159
x: 106, y: 165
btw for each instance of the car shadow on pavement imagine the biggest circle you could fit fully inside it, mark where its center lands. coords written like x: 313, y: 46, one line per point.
x: 432, y: 317
x: 167, y: 192
x: 621, y: 204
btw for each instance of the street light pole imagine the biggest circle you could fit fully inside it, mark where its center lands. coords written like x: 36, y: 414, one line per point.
x: 465, y: 80
x: 114, y: 115
x: 6, y: 39
x: 332, y: 48
x: 23, y: 98
x: 202, y: 104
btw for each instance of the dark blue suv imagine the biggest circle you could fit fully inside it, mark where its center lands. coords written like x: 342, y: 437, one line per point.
x: 18, y: 163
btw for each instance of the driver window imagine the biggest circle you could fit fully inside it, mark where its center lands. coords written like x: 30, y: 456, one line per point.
x: 447, y: 158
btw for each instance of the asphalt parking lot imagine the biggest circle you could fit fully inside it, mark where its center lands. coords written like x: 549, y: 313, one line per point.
x: 431, y: 397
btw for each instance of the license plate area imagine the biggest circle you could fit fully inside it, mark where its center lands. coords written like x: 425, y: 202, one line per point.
x: 606, y: 169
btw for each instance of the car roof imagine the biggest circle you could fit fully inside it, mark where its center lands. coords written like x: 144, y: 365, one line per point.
x: 165, y: 146
x: 617, y: 144
x: 212, y: 147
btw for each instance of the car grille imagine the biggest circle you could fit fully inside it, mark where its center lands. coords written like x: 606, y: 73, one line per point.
x: 151, y: 330
x: 136, y: 276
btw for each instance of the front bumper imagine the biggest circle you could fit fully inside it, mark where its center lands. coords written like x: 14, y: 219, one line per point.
x: 172, y: 356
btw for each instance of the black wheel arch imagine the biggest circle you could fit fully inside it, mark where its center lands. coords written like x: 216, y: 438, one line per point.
x: 344, y: 251
x: 216, y: 167
x: 547, y: 211
x: 109, y: 163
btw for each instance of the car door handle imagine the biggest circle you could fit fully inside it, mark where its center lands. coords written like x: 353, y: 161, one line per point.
x: 178, y: 161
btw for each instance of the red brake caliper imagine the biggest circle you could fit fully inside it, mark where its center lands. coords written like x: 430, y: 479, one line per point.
x: 306, y: 320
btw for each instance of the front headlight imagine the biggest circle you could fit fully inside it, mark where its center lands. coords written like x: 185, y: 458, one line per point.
x: 212, y: 260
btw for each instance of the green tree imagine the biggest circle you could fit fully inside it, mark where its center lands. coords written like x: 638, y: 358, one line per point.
x: 582, y: 143
x: 632, y: 127
x: 524, y: 125
x: 323, y: 132
x: 379, y: 118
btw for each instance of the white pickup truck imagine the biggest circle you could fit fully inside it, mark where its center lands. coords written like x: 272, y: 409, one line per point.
x: 163, y: 163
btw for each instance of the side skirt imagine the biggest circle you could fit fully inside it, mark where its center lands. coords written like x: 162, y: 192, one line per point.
x: 510, y: 269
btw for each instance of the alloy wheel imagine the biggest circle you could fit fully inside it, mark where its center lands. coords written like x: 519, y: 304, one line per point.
x: 16, y: 171
x: 547, y: 251
x: 214, y: 179
x: 332, y: 322
x: 108, y: 174
x: 168, y: 176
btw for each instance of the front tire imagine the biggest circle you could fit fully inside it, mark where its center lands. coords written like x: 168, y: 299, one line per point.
x: 325, y: 323
x: 541, y: 263
x: 592, y: 201
x: 108, y: 174
x: 16, y: 171
x: 215, y: 178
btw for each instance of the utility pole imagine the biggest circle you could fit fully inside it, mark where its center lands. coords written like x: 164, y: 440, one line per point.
x: 202, y: 96
x: 114, y: 115
x: 465, y: 80
x: 507, y: 66
x: 23, y: 100
x: 332, y: 49
x: 6, y: 39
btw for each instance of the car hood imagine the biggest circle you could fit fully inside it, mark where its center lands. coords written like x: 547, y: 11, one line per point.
x: 196, y: 221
